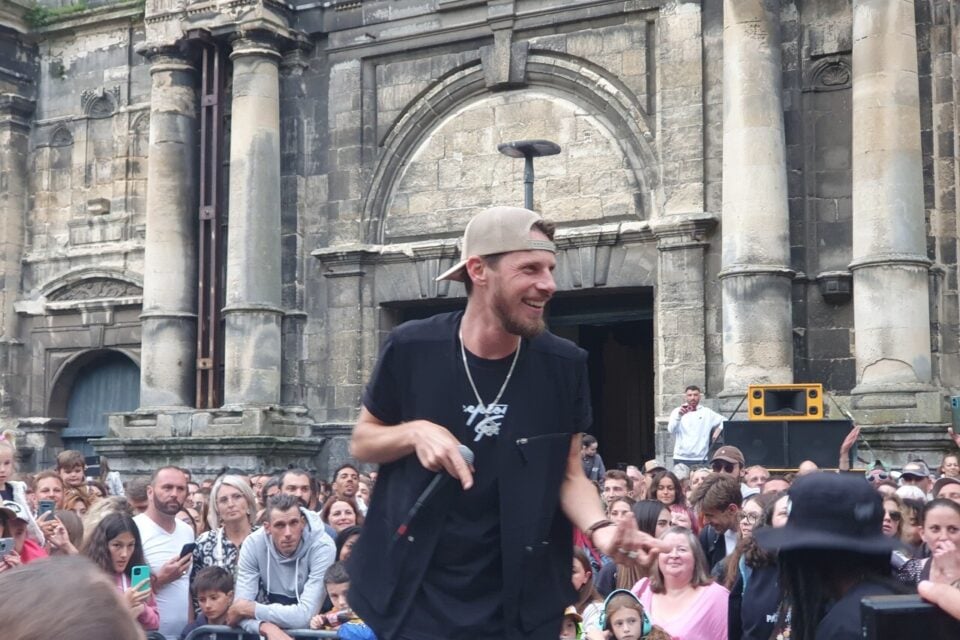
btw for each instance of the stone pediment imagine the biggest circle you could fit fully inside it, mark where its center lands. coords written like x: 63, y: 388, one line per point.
x: 95, y: 289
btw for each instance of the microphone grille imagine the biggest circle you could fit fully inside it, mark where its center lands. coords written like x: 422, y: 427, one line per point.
x: 466, y: 453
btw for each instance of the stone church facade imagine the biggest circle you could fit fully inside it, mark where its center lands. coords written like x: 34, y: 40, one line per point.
x: 212, y: 212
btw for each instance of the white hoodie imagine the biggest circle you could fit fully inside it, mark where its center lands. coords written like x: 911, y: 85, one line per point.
x: 299, y: 577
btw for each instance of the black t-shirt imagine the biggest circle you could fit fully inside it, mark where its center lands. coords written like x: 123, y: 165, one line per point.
x: 461, y: 593
x: 7, y: 491
x: 842, y: 621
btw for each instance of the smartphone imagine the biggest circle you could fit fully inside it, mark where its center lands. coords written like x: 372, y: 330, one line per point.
x: 6, y: 546
x: 140, y: 577
x: 188, y: 549
x: 45, y: 506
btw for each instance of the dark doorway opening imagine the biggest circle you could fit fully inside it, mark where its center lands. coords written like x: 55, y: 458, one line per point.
x: 615, y: 326
x: 108, y: 384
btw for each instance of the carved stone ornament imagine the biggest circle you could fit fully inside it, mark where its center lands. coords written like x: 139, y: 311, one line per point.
x: 835, y: 75
x: 61, y: 137
x: 100, y: 103
x: 95, y: 289
x: 829, y: 74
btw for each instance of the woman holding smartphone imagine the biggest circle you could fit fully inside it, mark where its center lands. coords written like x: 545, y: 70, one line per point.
x: 115, y: 547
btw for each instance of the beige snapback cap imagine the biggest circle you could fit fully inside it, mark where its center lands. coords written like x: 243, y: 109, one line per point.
x: 497, y: 230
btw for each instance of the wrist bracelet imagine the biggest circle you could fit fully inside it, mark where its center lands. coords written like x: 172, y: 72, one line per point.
x: 599, y: 524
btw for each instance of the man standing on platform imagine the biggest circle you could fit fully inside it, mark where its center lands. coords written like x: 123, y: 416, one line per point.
x: 694, y: 427
x: 486, y: 557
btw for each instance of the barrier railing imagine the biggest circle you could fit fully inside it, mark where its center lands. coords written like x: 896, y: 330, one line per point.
x: 223, y: 632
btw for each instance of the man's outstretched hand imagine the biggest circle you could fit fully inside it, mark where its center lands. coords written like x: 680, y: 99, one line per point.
x: 626, y: 544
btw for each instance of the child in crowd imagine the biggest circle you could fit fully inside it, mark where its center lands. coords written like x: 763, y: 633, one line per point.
x: 12, y: 490
x: 572, y: 628
x: 624, y: 619
x: 213, y: 589
x: 73, y: 471
x: 341, y: 617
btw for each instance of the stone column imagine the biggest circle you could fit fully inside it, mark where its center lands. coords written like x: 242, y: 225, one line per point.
x: 169, y: 320
x: 756, y: 276
x: 253, y: 311
x: 15, y: 114
x: 890, y: 267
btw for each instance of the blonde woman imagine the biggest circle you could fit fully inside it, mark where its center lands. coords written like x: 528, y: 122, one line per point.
x: 233, y: 508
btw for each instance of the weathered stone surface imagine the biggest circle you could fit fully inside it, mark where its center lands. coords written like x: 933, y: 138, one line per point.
x: 384, y: 119
x: 892, y: 331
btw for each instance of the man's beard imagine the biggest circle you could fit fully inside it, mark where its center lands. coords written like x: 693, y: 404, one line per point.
x: 162, y: 507
x: 517, y: 327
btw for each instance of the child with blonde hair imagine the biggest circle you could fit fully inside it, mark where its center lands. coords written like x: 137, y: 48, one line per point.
x: 13, y: 489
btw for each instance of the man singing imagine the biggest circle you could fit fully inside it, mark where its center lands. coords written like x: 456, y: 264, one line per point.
x: 488, y: 555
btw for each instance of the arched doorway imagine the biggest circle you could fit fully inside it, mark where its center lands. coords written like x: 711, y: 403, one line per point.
x: 108, y: 383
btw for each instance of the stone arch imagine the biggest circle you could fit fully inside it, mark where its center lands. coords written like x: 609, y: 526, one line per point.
x: 63, y: 380
x: 85, y: 284
x: 572, y: 79
x: 60, y: 137
x: 139, y: 135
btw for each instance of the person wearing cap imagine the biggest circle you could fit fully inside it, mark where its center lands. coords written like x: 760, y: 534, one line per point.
x: 728, y: 460
x: 492, y: 379
x: 947, y: 487
x: 916, y: 473
x: 15, y: 521
x: 572, y: 628
x: 832, y: 553
x: 693, y: 427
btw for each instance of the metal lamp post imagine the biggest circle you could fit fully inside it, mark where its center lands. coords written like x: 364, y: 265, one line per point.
x: 528, y: 150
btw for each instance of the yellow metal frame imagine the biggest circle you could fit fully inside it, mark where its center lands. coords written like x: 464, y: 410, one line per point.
x: 757, y: 392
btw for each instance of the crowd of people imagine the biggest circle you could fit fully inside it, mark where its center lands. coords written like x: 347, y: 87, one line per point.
x: 752, y: 555
x: 265, y: 553
x: 487, y: 493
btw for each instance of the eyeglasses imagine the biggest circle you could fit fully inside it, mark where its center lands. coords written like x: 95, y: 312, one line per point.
x: 719, y: 465
x: 749, y: 518
x: 894, y: 515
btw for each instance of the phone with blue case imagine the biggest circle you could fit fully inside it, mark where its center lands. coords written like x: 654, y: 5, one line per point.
x: 140, y: 577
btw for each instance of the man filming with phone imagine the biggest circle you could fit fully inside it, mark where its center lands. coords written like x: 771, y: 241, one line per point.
x: 167, y: 548
x: 694, y: 427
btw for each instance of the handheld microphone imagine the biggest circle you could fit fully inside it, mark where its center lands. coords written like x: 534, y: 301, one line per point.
x: 441, y: 476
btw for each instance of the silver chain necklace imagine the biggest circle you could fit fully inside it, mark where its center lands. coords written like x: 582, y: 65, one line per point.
x: 481, y: 407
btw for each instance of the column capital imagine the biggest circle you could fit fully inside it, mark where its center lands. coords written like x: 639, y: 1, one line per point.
x: 15, y: 111
x: 168, y: 57
x: 265, y: 40
x: 682, y: 231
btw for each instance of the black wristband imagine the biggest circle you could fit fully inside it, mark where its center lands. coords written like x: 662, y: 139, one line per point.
x: 599, y: 524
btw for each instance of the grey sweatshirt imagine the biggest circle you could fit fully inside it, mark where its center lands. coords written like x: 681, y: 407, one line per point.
x: 299, y: 576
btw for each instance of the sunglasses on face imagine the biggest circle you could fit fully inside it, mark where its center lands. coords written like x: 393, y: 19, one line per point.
x: 718, y: 466
x: 878, y: 476
x: 894, y: 515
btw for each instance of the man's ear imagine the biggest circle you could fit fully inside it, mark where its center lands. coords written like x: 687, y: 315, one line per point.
x: 476, y: 270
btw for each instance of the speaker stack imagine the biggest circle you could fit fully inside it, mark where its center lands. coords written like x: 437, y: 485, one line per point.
x: 785, y: 426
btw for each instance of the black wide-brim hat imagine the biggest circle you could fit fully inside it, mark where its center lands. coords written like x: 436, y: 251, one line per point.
x: 831, y: 512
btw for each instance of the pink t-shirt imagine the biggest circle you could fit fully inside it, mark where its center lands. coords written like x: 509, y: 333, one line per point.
x: 705, y: 619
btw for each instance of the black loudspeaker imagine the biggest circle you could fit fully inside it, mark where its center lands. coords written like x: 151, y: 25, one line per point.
x: 787, y: 443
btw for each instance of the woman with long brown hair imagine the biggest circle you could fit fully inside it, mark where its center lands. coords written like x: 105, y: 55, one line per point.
x: 115, y: 547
